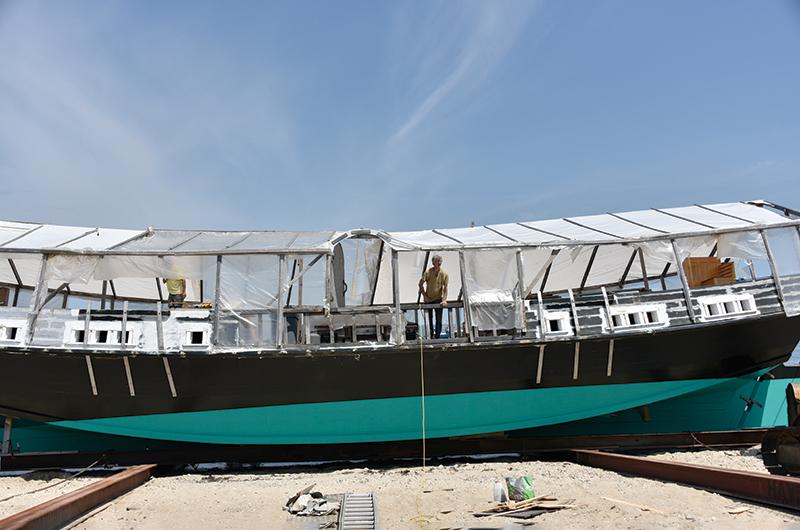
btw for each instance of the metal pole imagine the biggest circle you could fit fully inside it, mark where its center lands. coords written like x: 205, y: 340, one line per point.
x: 38, y: 292
x: 521, y: 294
x: 123, y: 340
x: 588, y: 268
x: 280, y: 332
x: 159, y: 328
x: 686, y: 292
x: 467, y: 313
x: 542, y: 324
x: 19, y: 282
x: 87, y: 323
x: 300, y: 263
x: 627, y: 270
x: 160, y: 293
x: 217, y: 308
x: 424, y: 268
x: 330, y: 300
x: 113, y: 294
x: 574, y: 311
x: 103, y: 295
x: 644, y: 269
x: 773, y: 267
x: 399, y: 334
x: 608, y: 310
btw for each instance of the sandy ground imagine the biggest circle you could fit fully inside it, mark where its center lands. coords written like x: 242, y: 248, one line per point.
x: 442, y: 496
x: 18, y: 492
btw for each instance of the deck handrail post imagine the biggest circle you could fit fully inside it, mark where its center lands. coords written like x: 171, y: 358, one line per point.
x: 38, y: 293
x: 124, y: 326
x: 217, y: 298
x: 687, y: 294
x: 280, y: 331
x: 399, y: 334
x: 607, y: 308
x: 574, y: 308
x: 87, y: 323
x: 521, y: 321
x: 773, y: 269
x: 159, y: 328
x: 540, y: 309
x: 467, y: 313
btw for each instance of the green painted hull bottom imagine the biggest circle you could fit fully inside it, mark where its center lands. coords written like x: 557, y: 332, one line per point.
x: 378, y: 420
x: 722, y: 407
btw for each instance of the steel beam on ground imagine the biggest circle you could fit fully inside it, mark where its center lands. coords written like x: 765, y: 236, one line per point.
x: 774, y: 490
x: 58, y: 512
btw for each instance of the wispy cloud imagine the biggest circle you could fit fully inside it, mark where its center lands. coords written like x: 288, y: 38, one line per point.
x: 490, y: 32
x: 113, y: 132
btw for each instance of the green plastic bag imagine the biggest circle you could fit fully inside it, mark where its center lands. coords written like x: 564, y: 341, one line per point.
x: 520, y: 488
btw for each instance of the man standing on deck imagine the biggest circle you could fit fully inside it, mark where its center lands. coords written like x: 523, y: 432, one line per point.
x: 176, y: 287
x: 435, y: 292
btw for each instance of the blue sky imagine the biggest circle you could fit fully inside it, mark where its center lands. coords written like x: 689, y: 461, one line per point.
x: 396, y: 115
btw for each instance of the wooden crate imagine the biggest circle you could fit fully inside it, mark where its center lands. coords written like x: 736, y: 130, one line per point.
x: 699, y: 270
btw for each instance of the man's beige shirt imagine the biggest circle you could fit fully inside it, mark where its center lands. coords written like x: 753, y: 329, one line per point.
x: 434, y: 283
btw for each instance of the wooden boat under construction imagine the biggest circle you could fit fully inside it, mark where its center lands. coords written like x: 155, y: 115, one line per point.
x: 320, y: 337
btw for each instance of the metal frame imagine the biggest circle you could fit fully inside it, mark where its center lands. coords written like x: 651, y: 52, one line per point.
x: 465, y: 291
x: 774, y: 268
x: 35, y: 300
x: 20, y: 285
x: 215, y: 323
x: 588, y: 267
x: 521, y: 320
x: 687, y: 294
x: 325, y: 249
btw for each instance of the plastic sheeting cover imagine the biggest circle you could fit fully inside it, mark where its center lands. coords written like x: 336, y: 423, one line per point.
x: 491, y: 280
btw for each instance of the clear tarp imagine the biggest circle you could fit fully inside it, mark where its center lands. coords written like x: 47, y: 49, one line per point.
x: 368, y: 277
x: 360, y: 269
x: 785, y: 246
x: 249, y: 300
x: 10, y: 230
x: 491, y: 284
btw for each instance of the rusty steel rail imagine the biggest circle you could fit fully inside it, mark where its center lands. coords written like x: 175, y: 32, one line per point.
x: 61, y: 510
x: 780, y: 491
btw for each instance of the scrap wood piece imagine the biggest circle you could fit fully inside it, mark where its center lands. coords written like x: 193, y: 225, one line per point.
x: 538, y: 506
x: 513, y: 505
x: 641, y: 507
x: 530, y: 513
x: 738, y: 510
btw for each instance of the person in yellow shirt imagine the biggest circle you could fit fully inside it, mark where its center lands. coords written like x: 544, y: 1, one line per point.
x: 433, y: 287
x: 176, y: 287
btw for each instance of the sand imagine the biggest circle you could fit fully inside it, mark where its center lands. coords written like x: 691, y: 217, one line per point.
x: 442, y: 496
x: 21, y: 491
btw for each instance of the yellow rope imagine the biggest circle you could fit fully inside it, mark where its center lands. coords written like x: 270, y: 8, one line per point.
x: 422, y: 393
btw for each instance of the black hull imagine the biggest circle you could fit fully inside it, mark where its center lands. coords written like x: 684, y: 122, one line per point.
x: 50, y: 386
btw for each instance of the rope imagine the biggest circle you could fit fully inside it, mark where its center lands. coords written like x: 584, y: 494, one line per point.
x: 422, y: 395
x: 82, y: 471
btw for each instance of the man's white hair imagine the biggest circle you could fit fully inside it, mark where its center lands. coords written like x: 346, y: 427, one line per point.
x: 435, y: 257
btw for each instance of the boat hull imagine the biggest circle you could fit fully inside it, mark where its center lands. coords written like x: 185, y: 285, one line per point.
x: 368, y: 395
x: 380, y: 420
x: 718, y: 407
